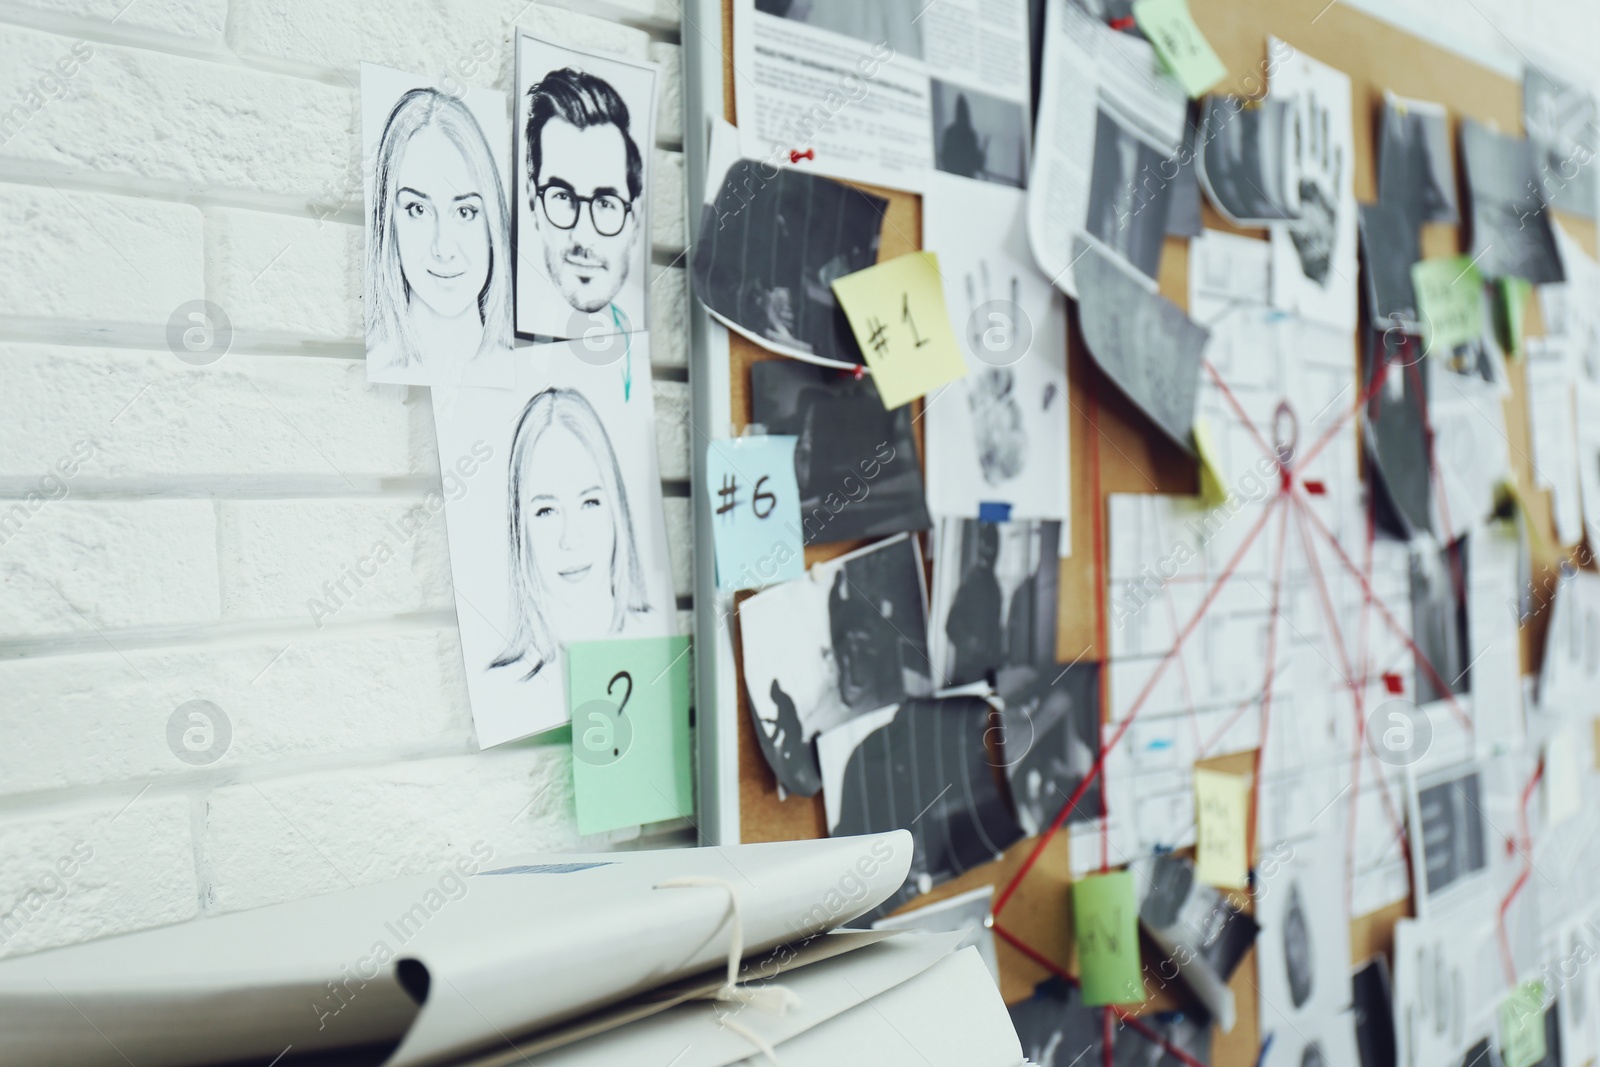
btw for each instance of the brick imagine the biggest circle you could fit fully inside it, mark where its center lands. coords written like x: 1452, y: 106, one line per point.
x: 71, y: 874
x: 656, y: 14
x: 78, y: 567
x: 148, y: 415
x: 197, y: 21
x: 79, y: 256
x: 278, y: 554
x: 667, y: 203
x: 277, y: 274
x: 196, y: 124
x: 467, y: 42
x: 669, y: 92
x: 672, y: 428
x: 669, y: 316
x: 314, y: 833
x: 680, y: 543
x: 104, y: 717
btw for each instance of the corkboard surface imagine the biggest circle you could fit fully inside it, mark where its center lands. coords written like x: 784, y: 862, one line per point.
x: 1132, y: 458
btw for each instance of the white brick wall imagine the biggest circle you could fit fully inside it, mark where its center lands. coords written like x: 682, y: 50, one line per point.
x: 164, y: 527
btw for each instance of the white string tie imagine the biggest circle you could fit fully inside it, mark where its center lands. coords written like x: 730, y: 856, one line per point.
x: 770, y: 997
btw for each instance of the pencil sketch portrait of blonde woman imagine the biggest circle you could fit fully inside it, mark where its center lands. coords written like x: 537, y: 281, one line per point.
x: 438, y: 287
x: 575, y: 562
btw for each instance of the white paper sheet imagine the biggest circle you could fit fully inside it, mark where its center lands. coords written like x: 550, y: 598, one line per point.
x: 998, y: 435
x: 951, y: 1015
x: 886, y: 92
x: 1552, y: 424
x: 582, y: 554
x: 438, y: 279
x: 577, y: 276
x: 1314, y: 269
x: 694, y: 1033
x: 1099, y: 86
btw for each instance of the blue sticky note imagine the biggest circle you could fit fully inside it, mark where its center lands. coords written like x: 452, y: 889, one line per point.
x: 755, y: 512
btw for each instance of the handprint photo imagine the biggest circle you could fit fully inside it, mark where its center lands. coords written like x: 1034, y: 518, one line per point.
x: 1314, y: 267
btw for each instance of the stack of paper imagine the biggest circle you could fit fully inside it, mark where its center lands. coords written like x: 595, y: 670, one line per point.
x: 615, y: 958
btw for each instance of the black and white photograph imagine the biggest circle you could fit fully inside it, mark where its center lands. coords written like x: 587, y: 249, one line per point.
x: 1201, y: 932
x: 976, y: 135
x: 1395, y: 432
x: 855, y: 462
x: 994, y: 598
x: 849, y: 637
x: 557, y: 534
x: 1449, y: 842
x: 1314, y: 263
x: 771, y: 244
x: 1057, y: 1030
x: 1416, y: 167
x: 1144, y: 342
x: 1050, y: 739
x: 438, y: 282
x: 1439, y: 619
x: 1244, y: 162
x: 1372, y: 1004
x: 1183, y: 213
x: 1390, y: 243
x: 1128, y: 208
x: 896, y: 23
x: 585, y: 136
x: 1326, y: 1042
x: 1563, y: 123
x: 1511, y: 235
x: 1303, y: 948
x: 921, y: 765
x: 1001, y: 437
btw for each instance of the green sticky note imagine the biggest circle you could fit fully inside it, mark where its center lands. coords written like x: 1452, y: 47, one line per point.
x: 1522, y: 1041
x: 631, y: 757
x: 1449, y: 301
x: 1180, y: 44
x: 897, y: 313
x: 1105, y: 916
x: 1514, y: 294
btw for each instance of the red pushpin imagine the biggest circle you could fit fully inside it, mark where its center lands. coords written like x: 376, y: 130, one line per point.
x: 1124, y: 23
x: 1315, y: 488
x: 860, y: 372
x: 795, y: 155
x: 1394, y: 683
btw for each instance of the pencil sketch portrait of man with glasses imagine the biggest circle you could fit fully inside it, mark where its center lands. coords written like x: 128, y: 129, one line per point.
x: 586, y: 132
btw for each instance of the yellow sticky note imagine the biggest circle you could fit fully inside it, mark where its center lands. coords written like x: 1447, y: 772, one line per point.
x: 896, y: 310
x: 1213, y: 492
x: 1180, y: 44
x: 1222, y: 818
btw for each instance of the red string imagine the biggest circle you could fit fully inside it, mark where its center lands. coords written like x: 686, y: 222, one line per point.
x: 1266, y: 688
x: 1393, y: 623
x: 1337, y: 425
x: 1525, y: 846
x: 1238, y: 409
x: 1138, y: 703
x: 1101, y: 577
x: 1122, y: 1014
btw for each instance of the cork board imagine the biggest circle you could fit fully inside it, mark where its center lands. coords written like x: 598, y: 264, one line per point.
x: 1127, y: 456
